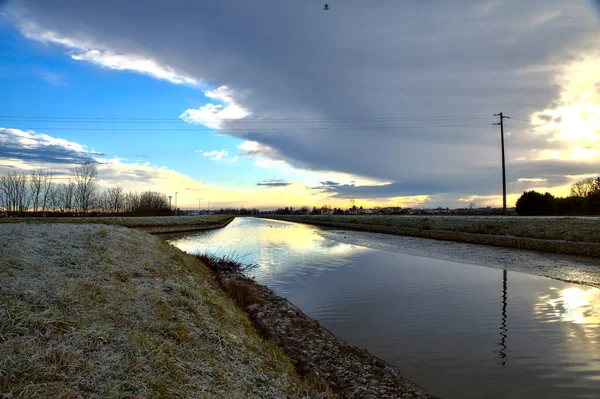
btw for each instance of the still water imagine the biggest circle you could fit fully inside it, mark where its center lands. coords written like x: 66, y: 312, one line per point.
x: 458, y: 330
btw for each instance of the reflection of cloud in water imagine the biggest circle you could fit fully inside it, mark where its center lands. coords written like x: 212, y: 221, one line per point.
x: 279, y: 248
x: 298, y: 237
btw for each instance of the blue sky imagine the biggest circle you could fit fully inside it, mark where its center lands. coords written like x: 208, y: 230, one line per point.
x: 43, y: 82
x: 269, y: 105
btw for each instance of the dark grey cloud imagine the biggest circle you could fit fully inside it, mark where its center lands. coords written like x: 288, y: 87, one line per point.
x: 137, y: 175
x: 273, y: 183
x: 384, y: 61
x: 552, y: 172
x: 36, y: 150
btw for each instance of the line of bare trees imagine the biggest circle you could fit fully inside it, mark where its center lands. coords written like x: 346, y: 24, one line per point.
x: 36, y: 193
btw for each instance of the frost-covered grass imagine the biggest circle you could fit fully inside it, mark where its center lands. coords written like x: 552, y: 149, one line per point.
x: 126, y: 221
x: 104, y: 311
x: 584, y: 229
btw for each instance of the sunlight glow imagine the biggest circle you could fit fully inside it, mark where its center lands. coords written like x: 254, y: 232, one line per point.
x: 574, y: 121
x: 576, y: 305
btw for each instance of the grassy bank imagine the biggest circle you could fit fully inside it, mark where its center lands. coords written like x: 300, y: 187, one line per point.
x: 573, y: 235
x: 105, y: 311
x: 151, y: 224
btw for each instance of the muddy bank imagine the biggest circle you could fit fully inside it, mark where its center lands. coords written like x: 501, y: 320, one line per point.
x: 314, y: 351
x: 553, y: 246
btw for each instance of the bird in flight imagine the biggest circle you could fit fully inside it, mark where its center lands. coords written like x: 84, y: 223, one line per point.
x: 326, y: 7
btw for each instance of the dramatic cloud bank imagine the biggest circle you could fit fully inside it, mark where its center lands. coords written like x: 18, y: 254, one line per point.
x: 400, y: 92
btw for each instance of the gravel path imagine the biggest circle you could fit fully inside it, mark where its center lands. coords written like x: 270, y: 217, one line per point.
x: 577, y: 269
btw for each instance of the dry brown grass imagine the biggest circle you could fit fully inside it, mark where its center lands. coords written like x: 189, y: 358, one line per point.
x: 242, y: 294
x: 95, y: 311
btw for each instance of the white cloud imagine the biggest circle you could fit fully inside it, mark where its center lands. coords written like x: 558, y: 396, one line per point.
x: 222, y: 93
x: 215, y: 155
x: 269, y: 163
x: 534, y: 180
x: 132, y: 62
x: 51, y: 77
x: 215, y: 115
x: 84, y: 50
x: 264, y: 156
x: 545, y: 17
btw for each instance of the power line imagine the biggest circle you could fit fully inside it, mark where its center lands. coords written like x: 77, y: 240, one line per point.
x: 68, y: 119
x: 191, y: 128
x: 227, y: 121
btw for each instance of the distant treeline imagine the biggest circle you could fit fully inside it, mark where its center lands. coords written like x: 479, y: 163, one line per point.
x: 289, y: 210
x: 237, y: 211
x: 583, y: 201
x: 37, y: 194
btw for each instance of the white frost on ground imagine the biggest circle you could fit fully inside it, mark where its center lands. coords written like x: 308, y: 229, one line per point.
x: 90, y: 310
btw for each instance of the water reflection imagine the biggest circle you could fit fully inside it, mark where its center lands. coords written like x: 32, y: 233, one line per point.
x: 434, y: 319
x: 503, y: 328
x: 278, y: 247
x: 577, y: 307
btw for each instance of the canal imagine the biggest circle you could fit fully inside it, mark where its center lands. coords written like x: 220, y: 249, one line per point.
x: 459, y: 329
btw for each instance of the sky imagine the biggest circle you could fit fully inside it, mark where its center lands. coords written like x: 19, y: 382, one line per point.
x: 278, y: 103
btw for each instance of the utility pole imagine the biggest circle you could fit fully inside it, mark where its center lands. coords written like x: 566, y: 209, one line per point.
x: 199, y: 205
x: 501, y: 123
x: 170, y: 206
x: 176, y: 211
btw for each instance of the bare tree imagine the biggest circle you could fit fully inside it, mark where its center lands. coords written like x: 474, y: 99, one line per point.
x: 115, y: 199
x: 40, y: 183
x: 151, y: 201
x: 583, y: 188
x: 13, y: 192
x: 47, y: 190
x: 64, y: 196
x: 85, y: 176
x: 132, y: 201
x: 21, y: 191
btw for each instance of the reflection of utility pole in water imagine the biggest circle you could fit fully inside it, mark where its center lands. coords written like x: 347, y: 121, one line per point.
x: 503, y: 329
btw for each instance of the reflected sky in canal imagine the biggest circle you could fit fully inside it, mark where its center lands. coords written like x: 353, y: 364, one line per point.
x: 459, y: 330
